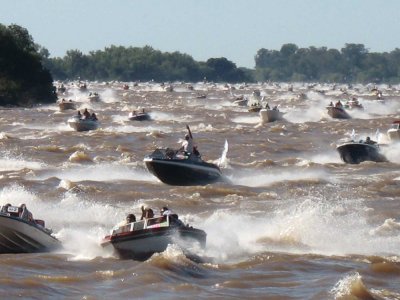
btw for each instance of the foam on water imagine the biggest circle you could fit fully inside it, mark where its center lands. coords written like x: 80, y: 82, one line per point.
x: 391, y: 151
x: 248, y: 119
x: 9, y: 163
x: 97, y: 172
x: 306, y: 226
x: 264, y: 178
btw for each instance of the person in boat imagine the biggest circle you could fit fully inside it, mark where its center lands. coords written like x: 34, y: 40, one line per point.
x: 173, y: 217
x: 86, y: 114
x: 331, y: 104
x: 93, y: 117
x: 267, y: 106
x: 369, y: 141
x: 147, y: 213
x: 339, y: 104
x: 79, y: 114
x: 25, y: 213
x: 188, y: 146
x: 4, y: 208
x: 275, y: 107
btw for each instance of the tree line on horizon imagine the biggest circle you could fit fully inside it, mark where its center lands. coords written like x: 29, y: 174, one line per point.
x: 27, y: 71
x: 142, y: 64
x: 351, y: 64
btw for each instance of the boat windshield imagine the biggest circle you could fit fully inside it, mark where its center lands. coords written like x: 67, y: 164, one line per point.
x: 163, y: 221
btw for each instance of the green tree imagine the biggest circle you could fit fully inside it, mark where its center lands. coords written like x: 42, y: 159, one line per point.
x: 23, y: 79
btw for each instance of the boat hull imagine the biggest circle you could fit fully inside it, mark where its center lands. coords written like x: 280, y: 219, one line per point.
x: 141, y: 244
x: 338, y: 113
x: 19, y: 236
x: 183, y: 172
x: 139, y: 117
x: 66, y: 106
x: 270, y: 115
x: 254, y: 109
x: 83, y: 125
x: 355, y: 153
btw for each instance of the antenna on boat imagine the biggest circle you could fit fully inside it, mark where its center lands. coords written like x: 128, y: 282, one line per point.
x: 222, y: 159
x: 377, y: 135
x: 353, y: 135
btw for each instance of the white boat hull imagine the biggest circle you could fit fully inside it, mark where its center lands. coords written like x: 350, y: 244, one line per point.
x: 270, y: 115
x: 82, y: 124
x: 18, y: 236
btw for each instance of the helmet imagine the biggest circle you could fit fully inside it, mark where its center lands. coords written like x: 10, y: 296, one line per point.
x: 186, y: 136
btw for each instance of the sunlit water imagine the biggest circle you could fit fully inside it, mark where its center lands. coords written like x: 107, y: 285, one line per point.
x: 294, y: 222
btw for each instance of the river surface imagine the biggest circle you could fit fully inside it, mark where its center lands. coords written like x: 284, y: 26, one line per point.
x: 294, y: 222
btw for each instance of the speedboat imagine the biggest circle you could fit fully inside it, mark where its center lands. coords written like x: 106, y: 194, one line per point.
x: 94, y: 97
x: 175, y: 168
x: 352, y: 152
x: 255, y: 108
x: 353, y: 104
x: 139, y: 240
x: 66, y: 105
x: 18, y: 235
x: 140, y: 116
x: 337, y: 112
x: 270, y: 115
x: 254, y: 101
x: 80, y: 124
x: 394, y: 131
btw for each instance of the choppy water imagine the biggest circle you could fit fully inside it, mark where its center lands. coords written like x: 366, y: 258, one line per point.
x: 295, y: 223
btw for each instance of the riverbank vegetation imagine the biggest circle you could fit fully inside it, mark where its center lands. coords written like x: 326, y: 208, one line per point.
x: 23, y: 79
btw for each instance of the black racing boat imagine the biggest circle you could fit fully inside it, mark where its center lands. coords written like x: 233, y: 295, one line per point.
x: 355, y: 152
x: 141, y: 116
x: 139, y: 240
x: 175, y: 168
x: 18, y: 235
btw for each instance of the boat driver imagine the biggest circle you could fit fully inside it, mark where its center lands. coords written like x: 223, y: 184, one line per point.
x: 369, y: 141
x: 25, y: 213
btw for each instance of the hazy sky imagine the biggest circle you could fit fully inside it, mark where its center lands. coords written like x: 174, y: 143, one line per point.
x: 235, y: 29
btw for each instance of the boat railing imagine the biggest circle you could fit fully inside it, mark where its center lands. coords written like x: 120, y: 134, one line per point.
x: 157, y: 222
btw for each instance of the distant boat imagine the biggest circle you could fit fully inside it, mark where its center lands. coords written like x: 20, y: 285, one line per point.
x: 139, y: 116
x: 254, y: 101
x: 66, y: 105
x: 94, y: 97
x: 394, y: 131
x: 270, y: 115
x: 353, y: 104
x: 80, y: 124
x: 82, y: 86
x: 337, y: 112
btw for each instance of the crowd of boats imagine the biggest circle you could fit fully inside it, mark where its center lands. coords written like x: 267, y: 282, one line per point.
x: 139, y: 239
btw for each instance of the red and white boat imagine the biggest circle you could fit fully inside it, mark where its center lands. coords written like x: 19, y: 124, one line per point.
x: 139, y: 240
